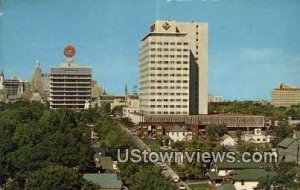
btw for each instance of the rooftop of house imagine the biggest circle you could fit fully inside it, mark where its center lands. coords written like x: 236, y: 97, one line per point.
x: 249, y: 174
x: 286, y: 142
x: 238, y: 165
x: 105, y: 181
x: 225, y: 137
x: 103, y: 161
x: 213, y: 176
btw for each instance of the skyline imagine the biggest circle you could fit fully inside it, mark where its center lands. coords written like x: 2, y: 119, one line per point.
x: 249, y: 43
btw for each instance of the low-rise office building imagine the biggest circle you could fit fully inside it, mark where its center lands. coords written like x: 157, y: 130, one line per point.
x: 285, y: 96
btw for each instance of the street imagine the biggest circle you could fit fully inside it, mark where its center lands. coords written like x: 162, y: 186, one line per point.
x: 138, y: 143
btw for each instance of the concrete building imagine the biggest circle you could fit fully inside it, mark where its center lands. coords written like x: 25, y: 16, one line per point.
x: 14, y: 87
x: 96, y: 90
x: 173, y: 68
x: 285, y: 96
x: 46, y: 86
x: 111, y: 99
x: 132, y: 105
x: 215, y: 99
x: 118, y: 102
x: 36, y: 81
x: 70, y: 85
x: 95, y: 93
x: 40, y: 84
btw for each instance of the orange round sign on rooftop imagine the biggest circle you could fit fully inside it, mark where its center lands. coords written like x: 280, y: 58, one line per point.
x: 69, y: 51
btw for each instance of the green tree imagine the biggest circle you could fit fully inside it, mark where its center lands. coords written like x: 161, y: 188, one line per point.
x: 267, y: 182
x: 282, y: 131
x: 105, y: 108
x: 32, y: 137
x: 117, y: 111
x: 144, y: 176
x: 215, y: 132
x: 110, y: 133
x: 286, y: 177
x: 54, y: 177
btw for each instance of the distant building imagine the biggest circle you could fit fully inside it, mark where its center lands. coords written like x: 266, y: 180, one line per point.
x: 95, y: 93
x: 2, y: 80
x: 13, y: 89
x: 178, y: 133
x: 285, y: 96
x: 215, y: 99
x: 70, y: 84
x: 40, y: 83
x: 242, y: 175
x: 36, y: 81
x: 173, y: 68
x: 257, y: 137
x: 46, y: 86
x: 132, y: 105
x: 96, y: 90
x: 227, y: 140
x: 118, y: 102
x: 156, y: 126
x: 289, y: 150
x: 108, y: 98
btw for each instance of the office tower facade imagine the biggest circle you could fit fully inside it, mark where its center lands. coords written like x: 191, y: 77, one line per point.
x: 285, y: 96
x: 70, y: 84
x: 173, y: 68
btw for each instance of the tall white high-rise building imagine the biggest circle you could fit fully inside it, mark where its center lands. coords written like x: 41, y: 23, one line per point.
x: 173, y: 68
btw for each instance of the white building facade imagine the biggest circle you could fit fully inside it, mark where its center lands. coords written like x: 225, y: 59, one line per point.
x: 173, y: 69
x: 70, y: 86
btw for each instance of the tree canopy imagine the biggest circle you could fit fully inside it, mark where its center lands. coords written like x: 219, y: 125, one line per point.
x: 34, y: 138
x: 144, y: 176
x: 253, y: 108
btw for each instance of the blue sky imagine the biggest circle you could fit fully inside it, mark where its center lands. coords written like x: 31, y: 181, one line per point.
x: 253, y: 45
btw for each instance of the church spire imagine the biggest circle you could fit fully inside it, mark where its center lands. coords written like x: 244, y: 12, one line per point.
x: 2, y: 73
x: 126, y: 90
x: 37, y: 64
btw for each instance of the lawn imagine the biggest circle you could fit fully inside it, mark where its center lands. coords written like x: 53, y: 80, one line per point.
x: 198, y: 186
